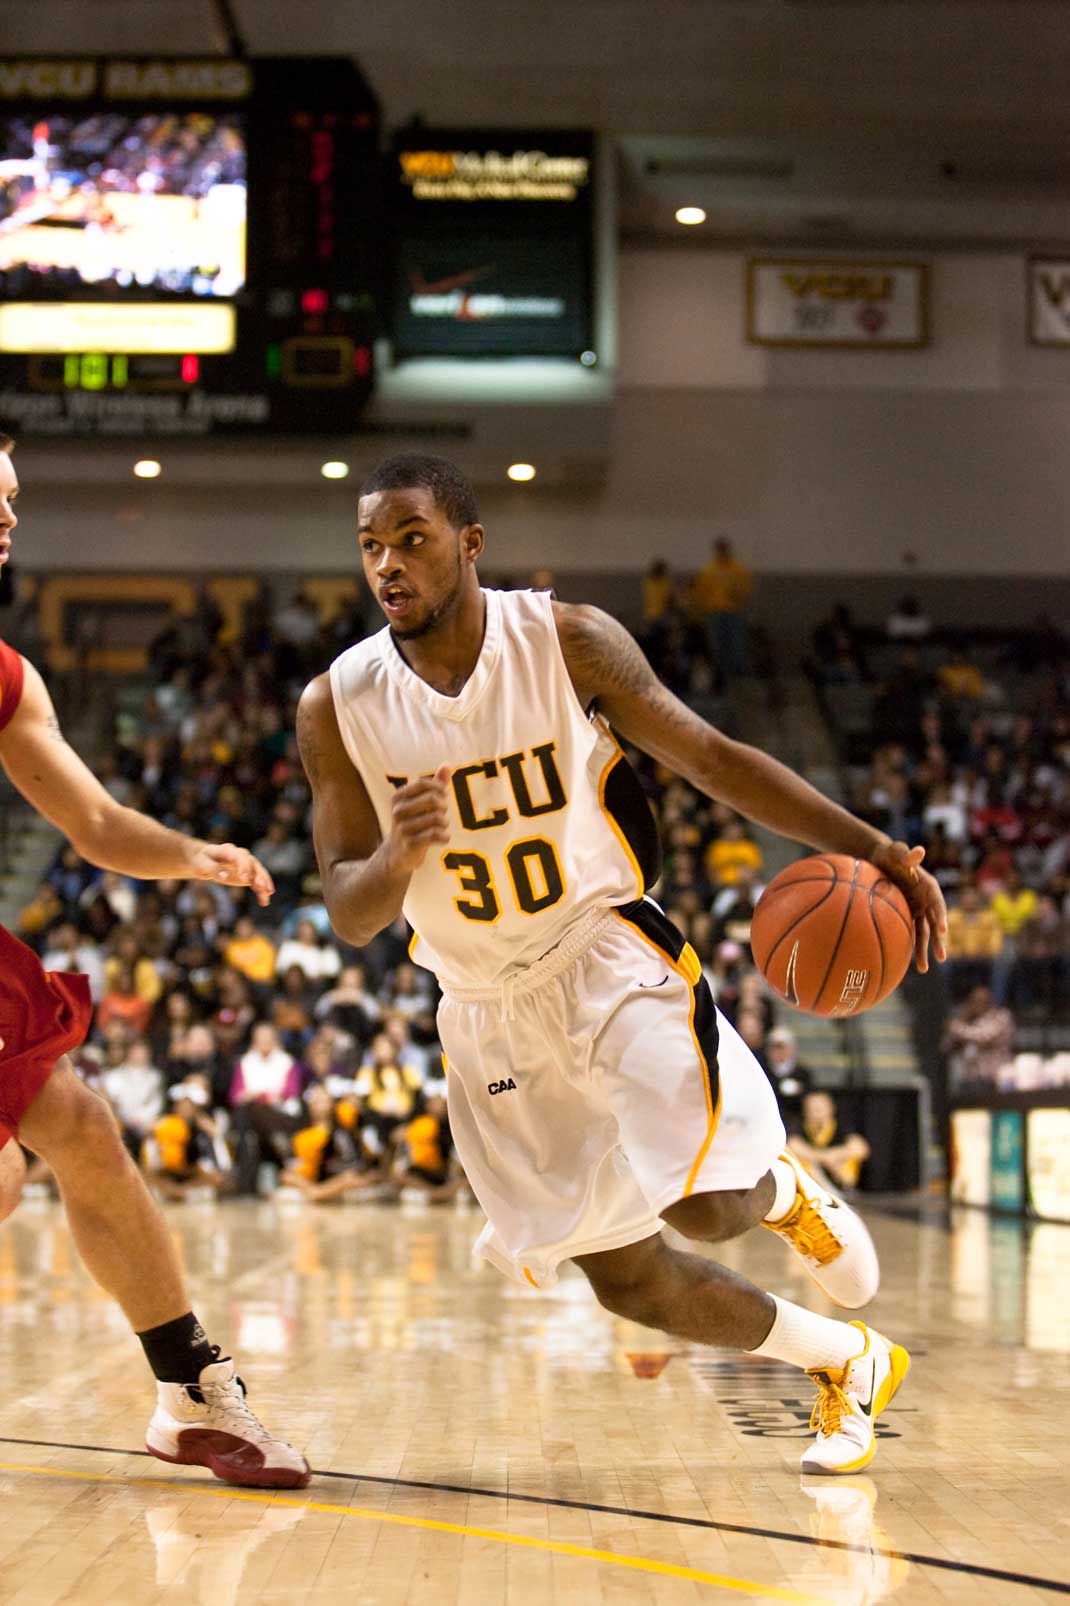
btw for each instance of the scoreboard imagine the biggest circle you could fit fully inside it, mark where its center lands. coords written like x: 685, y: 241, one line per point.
x: 187, y: 247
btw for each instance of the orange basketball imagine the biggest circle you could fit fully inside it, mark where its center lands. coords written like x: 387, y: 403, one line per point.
x: 832, y: 935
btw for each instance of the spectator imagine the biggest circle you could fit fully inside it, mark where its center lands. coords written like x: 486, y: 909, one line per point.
x: 1013, y: 906
x: 351, y: 1006
x: 834, y: 1159
x: 285, y: 857
x: 70, y: 876
x: 68, y: 951
x: 960, y: 679
x: 659, y: 592
x: 42, y: 911
x: 733, y: 909
x: 122, y: 1002
x: 732, y: 852
x: 411, y: 996
x: 328, y: 1157
x: 128, y: 953
x: 320, y: 961
x: 1042, y: 966
x: 265, y: 1101
x: 720, y: 592
x: 250, y: 952
x: 388, y: 1089
x: 186, y: 1148
x: 291, y: 1009
x: 791, y: 1078
x: 974, y: 941
x: 424, y: 1157
x: 197, y: 1056
x: 980, y: 1040
x: 134, y: 1089
x: 170, y: 1029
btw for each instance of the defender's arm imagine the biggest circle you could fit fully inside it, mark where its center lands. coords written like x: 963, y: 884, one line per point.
x: 365, y: 875
x: 607, y: 667
x: 52, y: 777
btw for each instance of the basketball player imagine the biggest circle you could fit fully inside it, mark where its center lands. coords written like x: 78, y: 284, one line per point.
x: 201, y: 1417
x: 464, y: 772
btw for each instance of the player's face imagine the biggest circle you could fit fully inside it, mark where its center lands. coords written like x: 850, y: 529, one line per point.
x: 414, y: 560
x: 9, y: 489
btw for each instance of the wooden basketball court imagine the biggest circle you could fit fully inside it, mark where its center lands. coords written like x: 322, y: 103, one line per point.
x: 479, y: 1443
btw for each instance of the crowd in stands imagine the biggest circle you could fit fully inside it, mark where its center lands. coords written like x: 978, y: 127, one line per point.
x: 963, y: 743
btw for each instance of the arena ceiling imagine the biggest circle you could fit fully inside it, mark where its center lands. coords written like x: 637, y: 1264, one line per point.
x: 816, y: 122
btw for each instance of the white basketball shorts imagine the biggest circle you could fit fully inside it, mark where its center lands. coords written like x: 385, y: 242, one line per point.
x: 597, y: 1087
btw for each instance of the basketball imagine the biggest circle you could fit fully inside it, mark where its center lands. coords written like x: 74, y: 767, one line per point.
x: 832, y: 935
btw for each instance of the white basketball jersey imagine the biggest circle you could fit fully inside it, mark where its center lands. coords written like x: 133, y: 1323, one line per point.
x: 547, y: 819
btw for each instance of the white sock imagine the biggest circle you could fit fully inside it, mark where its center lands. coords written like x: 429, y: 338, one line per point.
x: 787, y: 1184
x: 802, y: 1338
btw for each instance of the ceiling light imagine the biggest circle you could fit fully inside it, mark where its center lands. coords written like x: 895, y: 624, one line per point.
x: 334, y: 471
x: 148, y: 469
x: 521, y: 472
x: 690, y: 215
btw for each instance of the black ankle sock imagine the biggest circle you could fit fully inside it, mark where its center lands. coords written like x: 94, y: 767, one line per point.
x: 178, y: 1351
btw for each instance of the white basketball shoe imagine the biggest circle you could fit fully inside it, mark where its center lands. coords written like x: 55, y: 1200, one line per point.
x: 849, y: 1402
x: 208, y: 1424
x: 831, y: 1239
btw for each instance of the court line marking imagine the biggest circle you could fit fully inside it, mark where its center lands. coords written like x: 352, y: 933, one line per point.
x: 664, y: 1569
x: 944, y: 1564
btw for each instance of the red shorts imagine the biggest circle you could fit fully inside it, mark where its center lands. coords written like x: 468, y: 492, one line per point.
x: 43, y: 1014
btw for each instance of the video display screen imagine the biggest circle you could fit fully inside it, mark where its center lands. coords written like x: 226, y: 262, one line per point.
x: 494, y: 243
x: 113, y: 205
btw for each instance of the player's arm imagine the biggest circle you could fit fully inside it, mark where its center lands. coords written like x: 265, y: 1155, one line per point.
x: 50, y: 775
x: 365, y: 875
x: 608, y: 668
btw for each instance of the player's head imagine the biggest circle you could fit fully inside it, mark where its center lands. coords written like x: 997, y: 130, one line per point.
x: 9, y: 489
x: 420, y: 537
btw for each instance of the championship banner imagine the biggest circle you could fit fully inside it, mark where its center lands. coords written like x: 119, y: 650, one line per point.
x: 1048, y: 300
x: 858, y: 305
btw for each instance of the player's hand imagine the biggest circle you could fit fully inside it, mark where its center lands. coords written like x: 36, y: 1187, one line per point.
x: 419, y: 818
x: 902, y: 864
x: 232, y: 867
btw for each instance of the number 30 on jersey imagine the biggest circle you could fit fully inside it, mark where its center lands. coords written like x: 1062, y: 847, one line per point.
x: 534, y: 873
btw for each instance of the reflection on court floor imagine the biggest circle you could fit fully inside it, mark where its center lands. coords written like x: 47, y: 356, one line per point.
x: 476, y: 1442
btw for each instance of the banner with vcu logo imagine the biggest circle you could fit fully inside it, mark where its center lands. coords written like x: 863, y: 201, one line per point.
x: 860, y: 305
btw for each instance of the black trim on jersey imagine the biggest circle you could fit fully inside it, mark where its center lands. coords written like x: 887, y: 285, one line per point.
x: 626, y: 802
x: 655, y: 924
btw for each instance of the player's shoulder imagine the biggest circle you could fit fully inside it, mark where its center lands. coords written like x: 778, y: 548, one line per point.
x: 15, y: 671
x: 586, y: 633
x: 358, y: 668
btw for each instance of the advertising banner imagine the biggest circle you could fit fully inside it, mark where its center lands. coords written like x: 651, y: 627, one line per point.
x: 1049, y: 1163
x: 971, y: 1152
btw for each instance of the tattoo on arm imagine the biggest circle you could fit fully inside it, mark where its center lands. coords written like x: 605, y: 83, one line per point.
x: 54, y: 731
x: 601, y: 655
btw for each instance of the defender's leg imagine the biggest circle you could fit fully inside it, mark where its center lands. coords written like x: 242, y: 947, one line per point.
x: 201, y: 1417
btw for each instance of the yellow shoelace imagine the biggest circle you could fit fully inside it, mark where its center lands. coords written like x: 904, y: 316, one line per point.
x: 809, y: 1234
x: 830, y: 1407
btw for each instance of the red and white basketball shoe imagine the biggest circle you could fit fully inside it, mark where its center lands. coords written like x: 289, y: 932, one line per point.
x: 208, y: 1424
